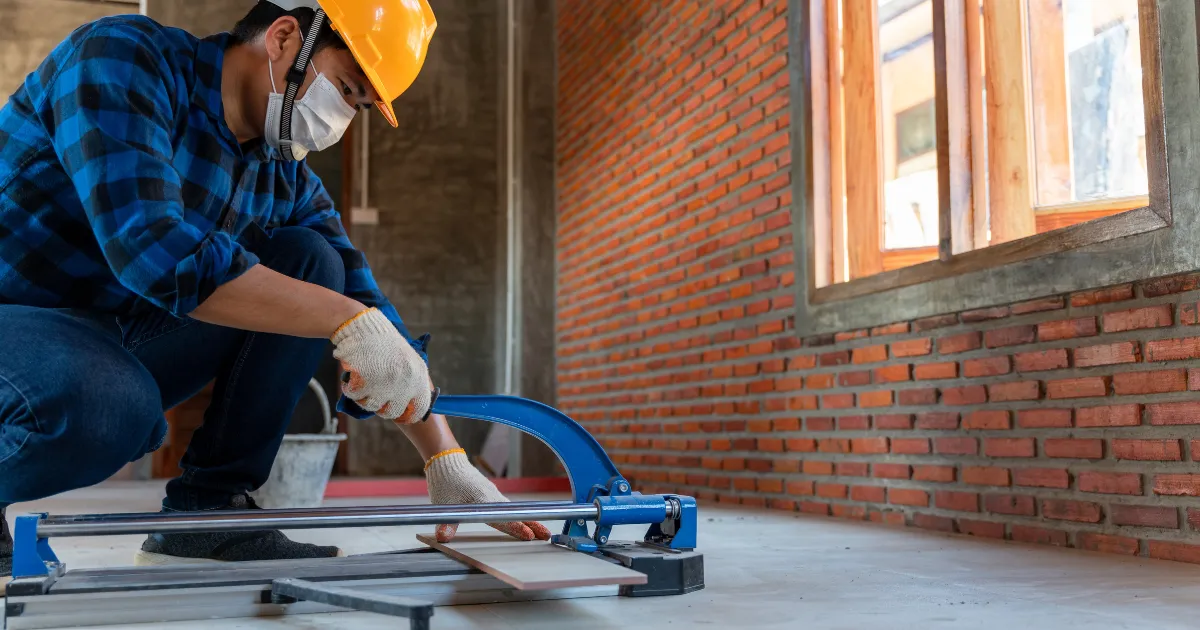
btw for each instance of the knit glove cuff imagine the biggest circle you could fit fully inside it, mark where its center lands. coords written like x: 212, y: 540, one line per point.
x: 369, y: 322
x: 454, y: 481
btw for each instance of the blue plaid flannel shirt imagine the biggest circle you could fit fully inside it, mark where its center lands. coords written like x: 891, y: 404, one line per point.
x: 121, y: 186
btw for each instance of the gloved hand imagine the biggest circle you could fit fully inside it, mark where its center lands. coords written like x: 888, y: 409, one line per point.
x: 453, y: 480
x: 387, y: 377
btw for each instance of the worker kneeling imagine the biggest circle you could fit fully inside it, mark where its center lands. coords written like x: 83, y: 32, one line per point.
x: 159, y: 230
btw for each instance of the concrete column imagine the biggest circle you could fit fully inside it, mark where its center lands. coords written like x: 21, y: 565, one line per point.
x: 535, y: 150
x: 199, y: 18
x: 32, y: 28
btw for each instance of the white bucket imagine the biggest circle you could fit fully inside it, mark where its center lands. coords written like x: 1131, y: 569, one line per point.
x: 303, y: 465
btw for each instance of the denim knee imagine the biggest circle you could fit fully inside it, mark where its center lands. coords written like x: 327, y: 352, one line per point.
x: 114, y: 417
x: 84, y: 423
x: 305, y: 255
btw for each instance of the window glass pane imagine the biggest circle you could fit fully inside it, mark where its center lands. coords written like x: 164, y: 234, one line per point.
x: 909, y: 129
x: 1086, y: 95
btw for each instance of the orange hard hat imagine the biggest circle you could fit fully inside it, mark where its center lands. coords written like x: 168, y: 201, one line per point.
x: 388, y: 38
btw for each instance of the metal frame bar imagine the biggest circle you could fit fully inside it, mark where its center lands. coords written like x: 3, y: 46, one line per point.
x: 290, y: 591
x: 394, y: 582
x: 131, y: 606
x: 316, y: 518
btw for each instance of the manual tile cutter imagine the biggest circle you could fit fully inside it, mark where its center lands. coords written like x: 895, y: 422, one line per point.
x: 44, y: 594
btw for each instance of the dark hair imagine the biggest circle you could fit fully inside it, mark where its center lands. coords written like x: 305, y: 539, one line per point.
x: 265, y: 13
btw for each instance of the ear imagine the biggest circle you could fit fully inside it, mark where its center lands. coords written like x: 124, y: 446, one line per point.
x: 283, y: 38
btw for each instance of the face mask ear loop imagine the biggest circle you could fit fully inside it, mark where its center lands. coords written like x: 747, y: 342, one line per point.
x: 295, y: 77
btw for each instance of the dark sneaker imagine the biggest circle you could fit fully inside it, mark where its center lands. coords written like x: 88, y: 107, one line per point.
x: 208, y: 547
x: 6, y: 548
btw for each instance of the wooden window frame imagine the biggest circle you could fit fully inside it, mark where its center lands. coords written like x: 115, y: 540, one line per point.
x: 1157, y: 238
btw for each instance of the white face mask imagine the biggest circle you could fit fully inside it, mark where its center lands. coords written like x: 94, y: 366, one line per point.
x: 318, y: 120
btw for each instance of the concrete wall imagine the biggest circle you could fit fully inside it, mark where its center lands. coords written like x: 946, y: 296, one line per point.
x: 200, y: 18
x: 32, y: 28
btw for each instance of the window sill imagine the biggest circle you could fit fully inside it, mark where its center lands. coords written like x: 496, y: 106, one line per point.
x: 1122, y: 248
x: 1116, y: 226
x: 900, y: 258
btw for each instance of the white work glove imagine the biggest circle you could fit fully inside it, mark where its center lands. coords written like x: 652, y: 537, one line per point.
x: 454, y: 481
x: 387, y: 377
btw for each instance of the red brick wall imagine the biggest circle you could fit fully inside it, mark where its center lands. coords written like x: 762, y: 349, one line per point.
x: 1066, y: 420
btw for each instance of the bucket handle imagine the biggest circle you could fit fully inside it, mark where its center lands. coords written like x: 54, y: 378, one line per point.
x: 330, y: 426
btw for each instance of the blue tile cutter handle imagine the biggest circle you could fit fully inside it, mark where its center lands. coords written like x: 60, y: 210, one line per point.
x: 593, y: 476
x: 586, y: 463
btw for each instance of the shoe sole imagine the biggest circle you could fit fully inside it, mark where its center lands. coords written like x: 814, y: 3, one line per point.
x: 150, y: 559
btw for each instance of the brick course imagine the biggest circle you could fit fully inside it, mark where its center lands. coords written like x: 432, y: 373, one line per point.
x: 1065, y: 420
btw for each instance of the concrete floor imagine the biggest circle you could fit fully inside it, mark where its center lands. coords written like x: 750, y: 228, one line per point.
x: 771, y: 570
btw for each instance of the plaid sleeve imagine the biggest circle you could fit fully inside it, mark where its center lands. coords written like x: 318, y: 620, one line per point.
x: 111, y: 108
x: 314, y: 210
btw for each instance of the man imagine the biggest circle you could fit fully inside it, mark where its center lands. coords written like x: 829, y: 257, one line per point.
x: 159, y: 230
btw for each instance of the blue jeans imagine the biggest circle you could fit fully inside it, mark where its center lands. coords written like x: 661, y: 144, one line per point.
x: 82, y: 394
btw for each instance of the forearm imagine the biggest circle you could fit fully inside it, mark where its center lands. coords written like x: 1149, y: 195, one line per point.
x: 262, y: 300
x: 430, y: 437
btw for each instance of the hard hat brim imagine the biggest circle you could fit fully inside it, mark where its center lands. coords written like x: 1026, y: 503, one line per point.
x: 389, y: 114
